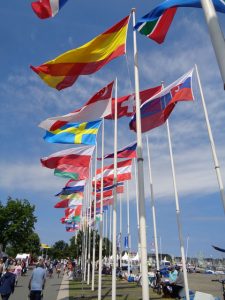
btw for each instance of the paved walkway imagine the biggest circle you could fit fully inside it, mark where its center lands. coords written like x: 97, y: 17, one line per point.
x: 55, y: 288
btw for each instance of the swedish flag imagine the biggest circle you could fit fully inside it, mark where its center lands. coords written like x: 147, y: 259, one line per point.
x: 74, y: 133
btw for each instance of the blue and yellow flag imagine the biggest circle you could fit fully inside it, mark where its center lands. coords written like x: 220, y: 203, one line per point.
x: 74, y: 133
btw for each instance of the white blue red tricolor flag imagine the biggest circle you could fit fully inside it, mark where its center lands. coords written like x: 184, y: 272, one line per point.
x: 157, y: 109
x: 47, y: 8
x: 126, y: 152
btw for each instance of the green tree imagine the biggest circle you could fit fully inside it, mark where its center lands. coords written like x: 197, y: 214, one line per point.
x: 76, y: 245
x: 59, y: 250
x: 17, y: 226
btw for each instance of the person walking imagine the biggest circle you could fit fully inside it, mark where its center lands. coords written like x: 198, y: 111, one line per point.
x: 37, y: 281
x: 7, y: 283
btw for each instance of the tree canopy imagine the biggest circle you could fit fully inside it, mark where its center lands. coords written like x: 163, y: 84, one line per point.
x: 17, y: 222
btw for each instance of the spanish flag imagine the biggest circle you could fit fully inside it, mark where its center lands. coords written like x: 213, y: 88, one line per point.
x: 64, y: 70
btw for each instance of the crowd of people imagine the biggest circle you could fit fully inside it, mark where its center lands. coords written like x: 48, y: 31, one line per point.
x: 12, y: 269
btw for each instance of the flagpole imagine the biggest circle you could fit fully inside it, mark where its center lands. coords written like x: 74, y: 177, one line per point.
x: 141, y: 196
x: 106, y: 229
x: 94, y: 228
x: 103, y: 224
x: 86, y: 239
x: 153, y: 206
x: 120, y: 241
x: 213, y: 147
x: 89, y: 224
x: 128, y: 227
x: 114, y: 202
x: 216, y: 35
x: 100, y: 222
x: 178, y: 214
x: 137, y: 206
x: 110, y: 232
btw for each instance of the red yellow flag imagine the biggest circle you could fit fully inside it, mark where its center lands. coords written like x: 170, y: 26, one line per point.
x: 64, y: 70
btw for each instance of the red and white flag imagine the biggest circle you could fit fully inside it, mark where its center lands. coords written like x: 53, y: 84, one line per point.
x: 77, y: 157
x: 106, y: 202
x: 123, y: 173
x: 126, y: 104
x: 96, y: 108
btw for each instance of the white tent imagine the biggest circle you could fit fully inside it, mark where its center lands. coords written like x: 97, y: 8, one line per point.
x: 136, y: 258
x: 22, y: 256
x: 125, y: 256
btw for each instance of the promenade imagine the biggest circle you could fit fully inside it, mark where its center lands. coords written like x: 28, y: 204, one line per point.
x: 58, y: 288
x: 55, y: 288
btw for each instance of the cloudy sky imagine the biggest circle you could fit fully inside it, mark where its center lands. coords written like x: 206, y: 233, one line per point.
x: 26, y: 101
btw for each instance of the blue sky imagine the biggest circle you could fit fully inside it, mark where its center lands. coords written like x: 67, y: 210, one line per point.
x: 26, y: 101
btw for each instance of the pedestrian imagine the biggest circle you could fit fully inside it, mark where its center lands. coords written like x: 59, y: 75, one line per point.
x: 17, y: 271
x: 7, y: 283
x: 58, y: 269
x: 37, y: 281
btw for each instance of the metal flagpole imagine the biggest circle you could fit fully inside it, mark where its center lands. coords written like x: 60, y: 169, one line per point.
x: 187, y: 249
x: 89, y: 225
x: 114, y: 240
x: 128, y: 227
x: 160, y: 245
x: 86, y: 240
x: 137, y: 205
x: 153, y: 206
x: 106, y: 229
x: 216, y: 35
x: 141, y: 191
x: 94, y: 227
x: 178, y: 215
x: 110, y: 232
x: 120, y: 235
x: 100, y: 222
x: 103, y: 224
x: 216, y: 162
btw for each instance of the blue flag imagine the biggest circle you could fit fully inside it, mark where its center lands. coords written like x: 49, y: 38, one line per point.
x: 74, y: 133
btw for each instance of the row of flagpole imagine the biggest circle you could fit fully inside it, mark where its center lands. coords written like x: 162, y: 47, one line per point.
x: 141, y: 212
x: 173, y: 171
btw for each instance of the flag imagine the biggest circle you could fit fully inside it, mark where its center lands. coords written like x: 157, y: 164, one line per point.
x: 108, y: 191
x: 64, y: 70
x: 74, y: 133
x: 218, y: 249
x: 110, y: 187
x: 118, y: 240
x: 71, y: 163
x: 72, y: 172
x: 73, y: 213
x: 156, y: 23
x: 63, y: 220
x: 126, y: 152
x: 72, y: 186
x: 78, y: 195
x: 45, y: 246
x: 70, y: 201
x: 123, y: 173
x: 126, y: 242
x: 106, y: 202
x: 47, y: 8
x: 96, y: 108
x: 126, y: 104
x: 156, y: 110
x: 71, y: 227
